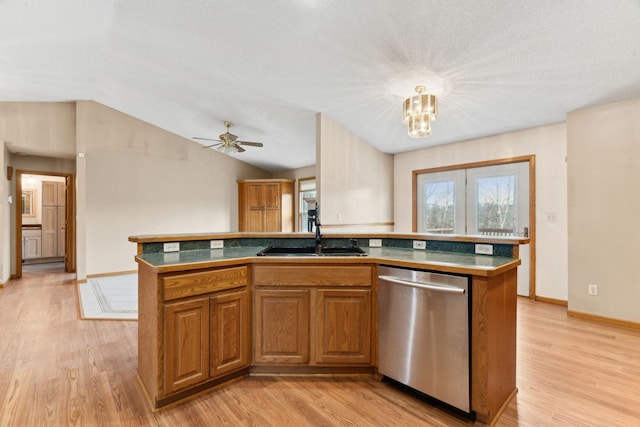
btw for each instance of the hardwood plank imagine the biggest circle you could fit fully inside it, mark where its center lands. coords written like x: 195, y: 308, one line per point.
x: 56, y: 369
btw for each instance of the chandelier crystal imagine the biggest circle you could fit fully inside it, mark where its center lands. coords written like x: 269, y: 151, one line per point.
x: 418, y: 111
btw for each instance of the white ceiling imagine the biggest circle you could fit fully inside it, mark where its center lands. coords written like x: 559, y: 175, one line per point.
x: 270, y: 66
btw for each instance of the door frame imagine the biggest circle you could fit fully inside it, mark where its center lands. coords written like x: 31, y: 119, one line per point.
x: 70, y: 249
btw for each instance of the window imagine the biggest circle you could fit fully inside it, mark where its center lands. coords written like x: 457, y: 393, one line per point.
x: 483, y: 199
x: 439, y: 207
x: 495, y: 201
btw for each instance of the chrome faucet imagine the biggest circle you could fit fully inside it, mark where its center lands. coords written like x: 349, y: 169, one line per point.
x: 318, y: 234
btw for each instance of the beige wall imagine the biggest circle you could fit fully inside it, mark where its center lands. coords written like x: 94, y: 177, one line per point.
x: 138, y: 179
x: 306, y: 172
x: 604, y: 204
x: 39, y: 128
x: 355, y: 181
x: 548, y: 143
x: 134, y: 179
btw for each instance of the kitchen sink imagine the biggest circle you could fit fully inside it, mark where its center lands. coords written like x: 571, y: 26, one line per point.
x: 311, y: 251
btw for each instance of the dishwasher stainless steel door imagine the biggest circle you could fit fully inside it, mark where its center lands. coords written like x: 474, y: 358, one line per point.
x: 423, y: 333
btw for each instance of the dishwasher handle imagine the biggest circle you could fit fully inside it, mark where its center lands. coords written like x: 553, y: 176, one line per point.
x: 429, y: 286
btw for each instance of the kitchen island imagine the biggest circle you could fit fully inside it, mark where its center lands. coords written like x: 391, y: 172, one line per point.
x: 207, y: 316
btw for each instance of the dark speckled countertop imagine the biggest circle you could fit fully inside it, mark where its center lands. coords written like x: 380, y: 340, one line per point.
x: 479, y: 265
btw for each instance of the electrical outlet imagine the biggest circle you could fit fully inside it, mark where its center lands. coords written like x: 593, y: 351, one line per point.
x: 375, y: 243
x: 484, y: 249
x: 171, y: 247
x: 217, y: 244
x: 419, y: 244
x: 593, y: 290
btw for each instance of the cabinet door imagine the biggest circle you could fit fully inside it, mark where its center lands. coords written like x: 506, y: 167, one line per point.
x: 49, y: 231
x: 272, y: 195
x: 229, y: 332
x: 49, y: 193
x: 255, y: 220
x: 31, y: 247
x: 281, y: 326
x: 186, y: 344
x: 255, y: 196
x: 343, y: 326
x: 53, y: 218
x: 272, y: 213
x: 255, y: 204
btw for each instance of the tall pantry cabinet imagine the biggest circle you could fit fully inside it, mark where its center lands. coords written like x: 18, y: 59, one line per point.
x: 53, y: 219
x: 265, y: 205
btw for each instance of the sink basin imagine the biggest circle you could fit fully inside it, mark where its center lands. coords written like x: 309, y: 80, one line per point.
x: 311, y: 251
x: 352, y: 251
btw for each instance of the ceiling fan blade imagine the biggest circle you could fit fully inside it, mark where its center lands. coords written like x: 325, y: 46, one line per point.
x: 240, y: 149
x: 249, y: 143
x: 204, y: 139
x: 214, y: 145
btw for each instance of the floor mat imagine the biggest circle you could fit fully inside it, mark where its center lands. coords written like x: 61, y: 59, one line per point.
x: 110, y: 297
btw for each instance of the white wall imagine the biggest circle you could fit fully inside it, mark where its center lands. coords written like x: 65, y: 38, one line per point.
x: 355, y: 181
x: 604, y: 206
x: 137, y: 179
x: 548, y: 144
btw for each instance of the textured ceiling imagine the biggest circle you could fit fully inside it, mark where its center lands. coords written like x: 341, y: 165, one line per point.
x: 270, y: 66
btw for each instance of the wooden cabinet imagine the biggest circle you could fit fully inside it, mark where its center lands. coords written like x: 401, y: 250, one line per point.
x: 53, y: 218
x: 193, y: 330
x: 31, y: 243
x: 312, y: 315
x: 343, y: 322
x: 229, y: 335
x: 186, y: 348
x: 265, y: 205
x: 282, y: 326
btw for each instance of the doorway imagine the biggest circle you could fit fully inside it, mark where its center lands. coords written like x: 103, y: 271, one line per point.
x: 44, y: 222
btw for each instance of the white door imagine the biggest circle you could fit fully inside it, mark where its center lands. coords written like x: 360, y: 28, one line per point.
x: 498, y: 205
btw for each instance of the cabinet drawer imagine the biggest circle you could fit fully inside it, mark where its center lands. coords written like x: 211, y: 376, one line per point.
x: 186, y: 285
x: 321, y: 275
x: 31, y: 232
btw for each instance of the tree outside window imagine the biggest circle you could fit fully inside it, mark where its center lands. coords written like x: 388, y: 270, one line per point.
x: 496, y: 204
x: 439, y: 212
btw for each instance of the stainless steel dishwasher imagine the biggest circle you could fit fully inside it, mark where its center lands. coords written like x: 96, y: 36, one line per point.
x: 423, y: 333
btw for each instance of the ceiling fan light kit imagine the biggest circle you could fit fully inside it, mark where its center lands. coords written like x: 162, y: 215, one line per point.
x: 418, y: 112
x: 228, y: 143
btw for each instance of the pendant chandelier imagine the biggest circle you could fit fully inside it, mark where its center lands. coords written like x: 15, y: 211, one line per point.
x: 418, y: 111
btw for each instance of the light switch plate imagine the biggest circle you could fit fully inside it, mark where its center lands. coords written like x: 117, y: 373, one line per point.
x: 419, y: 244
x: 171, y: 247
x: 484, y: 249
x: 375, y: 243
x: 217, y: 244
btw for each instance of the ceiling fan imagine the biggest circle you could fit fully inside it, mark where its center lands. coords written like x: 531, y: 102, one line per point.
x: 228, y: 142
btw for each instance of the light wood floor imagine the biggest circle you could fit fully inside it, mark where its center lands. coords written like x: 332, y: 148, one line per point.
x: 58, y: 370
